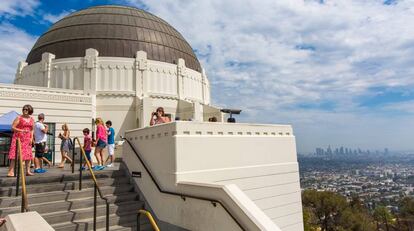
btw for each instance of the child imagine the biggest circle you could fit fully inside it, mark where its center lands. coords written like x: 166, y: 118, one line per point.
x: 87, y: 143
x: 100, y: 144
x: 111, y: 143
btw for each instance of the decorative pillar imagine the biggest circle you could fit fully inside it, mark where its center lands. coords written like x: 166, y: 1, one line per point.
x: 19, y: 70
x: 198, y: 112
x: 90, y: 72
x: 145, y: 112
x: 203, y: 85
x: 141, y: 88
x: 206, y: 88
x: 46, y: 68
x: 181, y: 72
x: 141, y: 78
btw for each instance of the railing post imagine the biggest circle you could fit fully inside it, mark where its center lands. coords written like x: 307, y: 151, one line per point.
x: 73, y: 154
x: 23, y: 203
x: 107, y: 214
x: 17, y: 169
x: 80, y: 171
x: 138, y: 222
x: 15, y: 161
x: 94, y: 207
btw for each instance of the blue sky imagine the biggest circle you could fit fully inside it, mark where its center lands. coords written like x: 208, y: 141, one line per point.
x: 341, y: 72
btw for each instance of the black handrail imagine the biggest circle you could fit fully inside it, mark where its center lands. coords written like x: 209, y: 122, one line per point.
x: 214, y: 202
x: 97, y: 189
x: 72, y: 144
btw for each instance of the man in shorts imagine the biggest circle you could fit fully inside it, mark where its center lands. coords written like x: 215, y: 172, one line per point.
x: 40, y: 135
x: 111, y: 143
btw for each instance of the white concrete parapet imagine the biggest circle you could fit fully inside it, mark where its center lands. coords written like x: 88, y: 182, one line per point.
x: 260, y: 160
x: 30, y: 221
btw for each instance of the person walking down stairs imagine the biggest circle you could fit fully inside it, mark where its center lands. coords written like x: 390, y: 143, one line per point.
x: 40, y: 137
x: 87, y: 147
x: 65, y: 146
x: 101, y: 142
x: 111, y: 143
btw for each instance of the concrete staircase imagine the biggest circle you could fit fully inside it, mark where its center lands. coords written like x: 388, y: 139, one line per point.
x: 56, y: 197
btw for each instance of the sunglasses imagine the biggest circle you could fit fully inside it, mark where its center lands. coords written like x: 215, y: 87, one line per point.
x: 25, y: 109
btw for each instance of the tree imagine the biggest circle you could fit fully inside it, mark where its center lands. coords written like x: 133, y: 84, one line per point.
x: 383, y: 217
x: 407, y: 213
x: 329, y: 211
x: 326, y: 206
x: 355, y: 220
x: 308, y: 219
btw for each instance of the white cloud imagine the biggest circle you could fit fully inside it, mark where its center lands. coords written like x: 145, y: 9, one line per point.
x: 15, y: 45
x: 17, y: 7
x: 52, y: 18
x: 250, y: 52
x: 287, y: 61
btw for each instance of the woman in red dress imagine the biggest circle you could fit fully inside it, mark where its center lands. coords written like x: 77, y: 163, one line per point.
x: 22, y: 128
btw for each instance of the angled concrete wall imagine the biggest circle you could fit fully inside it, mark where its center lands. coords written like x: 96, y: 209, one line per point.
x: 259, y: 159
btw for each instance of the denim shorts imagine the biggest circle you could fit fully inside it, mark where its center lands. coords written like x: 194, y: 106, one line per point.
x: 88, y: 154
x: 101, y: 144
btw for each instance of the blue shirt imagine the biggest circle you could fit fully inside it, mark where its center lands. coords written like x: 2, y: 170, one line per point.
x: 111, y: 136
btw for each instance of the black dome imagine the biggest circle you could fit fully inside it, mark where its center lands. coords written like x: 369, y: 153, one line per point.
x: 114, y: 31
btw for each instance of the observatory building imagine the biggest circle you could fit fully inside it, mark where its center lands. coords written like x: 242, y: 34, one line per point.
x: 121, y: 63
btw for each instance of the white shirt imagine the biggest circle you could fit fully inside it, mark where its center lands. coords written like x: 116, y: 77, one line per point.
x: 40, y: 136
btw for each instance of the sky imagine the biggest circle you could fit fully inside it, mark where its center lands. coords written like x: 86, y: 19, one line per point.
x: 340, y: 72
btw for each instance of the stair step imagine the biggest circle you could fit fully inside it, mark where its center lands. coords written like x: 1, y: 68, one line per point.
x: 38, y: 198
x: 55, y: 196
x: 62, y: 186
x: 66, y: 205
x: 87, y: 224
x: 128, y: 227
x: 62, y: 177
x: 79, y: 214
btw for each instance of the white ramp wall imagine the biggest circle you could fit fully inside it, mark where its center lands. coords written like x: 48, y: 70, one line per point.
x: 258, y: 159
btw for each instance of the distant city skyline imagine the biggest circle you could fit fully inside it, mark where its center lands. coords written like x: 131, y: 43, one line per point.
x: 340, y: 72
x: 330, y: 150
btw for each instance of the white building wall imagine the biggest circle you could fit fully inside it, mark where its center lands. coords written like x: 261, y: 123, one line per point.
x: 162, y: 84
x: 67, y: 74
x: 162, y: 79
x: 115, y: 74
x: 59, y: 106
x: 193, y: 84
x: 32, y: 76
x: 120, y: 109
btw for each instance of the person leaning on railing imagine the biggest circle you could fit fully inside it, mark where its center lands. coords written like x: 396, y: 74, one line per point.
x: 159, y: 117
x: 22, y: 128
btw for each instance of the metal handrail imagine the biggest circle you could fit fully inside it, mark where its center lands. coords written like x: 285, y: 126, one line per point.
x: 183, y: 196
x: 150, y: 218
x: 97, y: 189
x: 20, y: 175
